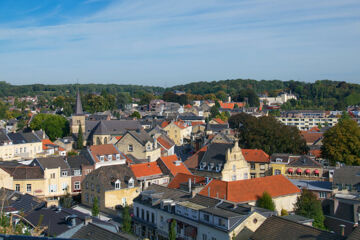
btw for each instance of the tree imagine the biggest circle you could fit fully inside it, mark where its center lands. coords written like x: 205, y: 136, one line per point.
x: 284, y: 212
x: 249, y: 96
x: 172, y: 231
x: 55, y: 126
x: 265, y: 201
x: 309, y: 206
x: 126, y: 226
x: 341, y: 143
x: 95, y: 208
x: 66, y: 201
x: 135, y: 114
x: 268, y: 134
x: 80, y: 139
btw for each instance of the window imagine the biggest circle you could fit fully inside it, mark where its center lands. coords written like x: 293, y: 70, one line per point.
x: 221, y: 222
x: 161, y: 219
x: 117, y: 156
x: 234, y: 177
x: 52, y: 188
x: 277, y: 171
x: 152, y: 217
x: 252, y: 165
x: 252, y: 175
x: 77, y: 185
x: 64, y: 186
x: 204, y: 236
x: 262, y: 175
x: 87, y: 185
x: 101, y: 158
x: 246, y: 176
x: 142, y: 214
x: 64, y: 173
x: 131, y: 183
x: 234, y: 168
x: 52, y: 175
x: 147, y: 216
x: 206, y: 217
x: 137, y: 212
x: 262, y: 166
x: 98, y: 188
x: 17, y: 187
x: 148, y: 147
x: 123, y: 201
x: 130, y: 148
x: 77, y: 172
x: 322, y: 194
x: 110, y: 157
x: 92, y: 187
x: 117, y: 184
x: 86, y: 197
x: 28, y: 187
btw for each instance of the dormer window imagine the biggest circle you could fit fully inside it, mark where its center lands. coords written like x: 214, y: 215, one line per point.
x: 278, y: 160
x: 130, y: 148
x: 202, y: 165
x: 64, y: 173
x: 117, y: 156
x: 101, y: 158
x: 118, y: 184
x: 131, y: 183
x: 109, y: 157
x: 148, y: 147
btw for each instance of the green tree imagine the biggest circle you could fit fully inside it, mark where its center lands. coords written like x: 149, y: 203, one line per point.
x: 66, y: 201
x: 172, y: 231
x: 55, y: 126
x: 95, y: 207
x: 284, y: 212
x: 265, y: 201
x: 135, y: 114
x: 126, y: 226
x: 214, y: 111
x: 80, y: 139
x: 309, y: 206
x: 268, y: 134
x: 341, y: 143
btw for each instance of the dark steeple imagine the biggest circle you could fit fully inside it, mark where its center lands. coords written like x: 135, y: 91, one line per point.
x: 78, y: 107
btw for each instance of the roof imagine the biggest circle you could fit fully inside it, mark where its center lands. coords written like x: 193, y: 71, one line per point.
x: 275, y: 228
x: 249, y: 190
x: 15, y: 201
x: 174, y: 165
x: 24, y: 172
x: 76, y: 162
x: 231, y: 105
x: 304, y: 161
x: 164, y: 124
x: 297, y: 218
x: 355, y: 235
x: 219, y: 121
x: 311, y: 137
x: 180, y: 124
x: 93, y: 232
x: 101, y: 129
x: 313, y: 185
x: 193, y: 161
x: 216, y: 127
x: 46, y: 143
x: 195, y: 123
x: 103, y: 150
x: 21, y: 137
x: 184, y: 178
x: 107, y: 175
x: 141, y: 136
x: 52, y: 162
x: 111, y: 127
x: 216, y: 153
x: 146, y: 169
x: 255, y: 155
x: 347, y: 175
x: 78, y: 106
x: 165, y: 142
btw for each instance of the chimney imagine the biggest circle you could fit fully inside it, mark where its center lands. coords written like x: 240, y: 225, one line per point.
x: 87, y: 220
x: 73, y: 222
x: 336, y: 205
x: 208, y: 191
x: 155, y: 143
x: 342, y: 229
x: 189, y: 185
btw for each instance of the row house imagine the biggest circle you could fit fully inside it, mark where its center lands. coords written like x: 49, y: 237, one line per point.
x: 197, y: 217
x: 105, y: 155
x: 177, y: 131
x: 149, y: 173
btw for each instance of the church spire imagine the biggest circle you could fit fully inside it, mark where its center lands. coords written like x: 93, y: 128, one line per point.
x: 78, y: 107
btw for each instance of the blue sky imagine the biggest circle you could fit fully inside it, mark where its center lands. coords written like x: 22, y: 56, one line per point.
x: 167, y: 42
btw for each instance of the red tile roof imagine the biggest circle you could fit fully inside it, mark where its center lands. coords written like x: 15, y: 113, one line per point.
x: 170, y: 161
x: 145, y: 169
x: 180, y: 124
x: 164, y: 124
x: 255, y: 155
x: 249, y: 190
x: 46, y: 142
x: 231, y: 104
x: 193, y: 161
x: 219, y: 121
x: 103, y: 150
x: 184, y: 178
x: 188, y: 106
x: 316, y: 153
x: 311, y: 137
x: 118, y: 137
x: 197, y: 123
x: 164, y: 143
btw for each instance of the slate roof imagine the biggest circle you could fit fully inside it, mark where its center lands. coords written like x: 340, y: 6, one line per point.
x: 24, y: 172
x: 313, y: 185
x: 347, y: 175
x: 93, y: 232
x: 141, y: 136
x: 304, y: 161
x: 355, y: 235
x: 75, y: 162
x: 216, y: 127
x: 3, y: 137
x: 250, y: 189
x: 21, y: 137
x: 101, y: 129
x: 216, y: 153
x: 52, y: 162
x: 112, y: 127
x: 107, y: 175
x: 15, y: 201
x: 78, y: 106
x: 275, y: 228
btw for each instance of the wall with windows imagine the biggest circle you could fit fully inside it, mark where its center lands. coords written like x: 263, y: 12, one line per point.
x: 57, y: 182
x: 30, y: 186
x: 20, y: 151
x: 120, y: 197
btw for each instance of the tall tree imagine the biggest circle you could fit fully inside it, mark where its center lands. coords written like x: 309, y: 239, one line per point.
x: 55, y: 126
x: 265, y: 201
x: 95, y: 208
x: 308, y: 205
x: 172, y: 230
x: 341, y: 143
x: 126, y: 226
x: 80, y: 139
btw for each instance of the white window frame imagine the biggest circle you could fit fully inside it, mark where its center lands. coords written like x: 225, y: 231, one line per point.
x: 130, y: 148
x: 101, y: 158
x: 27, y: 187
x: 118, y: 184
x: 77, y: 172
x: 64, y: 173
x: 77, y: 185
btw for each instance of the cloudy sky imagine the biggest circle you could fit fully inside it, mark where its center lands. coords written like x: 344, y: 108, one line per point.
x: 166, y: 42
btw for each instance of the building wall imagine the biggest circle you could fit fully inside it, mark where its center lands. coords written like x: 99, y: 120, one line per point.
x: 283, y: 202
x: 6, y: 180
x: 177, y: 134
x: 104, y: 139
x: 37, y: 186
x: 75, y: 123
x: 115, y: 197
x: 84, y: 171
x: 18, y: 151
x: 58, y: 180
x: 307, y: 123
x: 261, y: 169
x: 235, y: 168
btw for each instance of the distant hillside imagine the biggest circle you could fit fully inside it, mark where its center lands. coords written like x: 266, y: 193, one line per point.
x: 323, y: 94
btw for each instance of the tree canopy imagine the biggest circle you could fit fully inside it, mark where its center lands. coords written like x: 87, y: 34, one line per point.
x: 55, y: 126
x: 265, y: 201
x: 268, y: 134
x: 341, y: 143
x: 309, y: 206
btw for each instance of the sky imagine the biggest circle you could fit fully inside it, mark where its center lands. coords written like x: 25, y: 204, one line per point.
x: 167, y: 42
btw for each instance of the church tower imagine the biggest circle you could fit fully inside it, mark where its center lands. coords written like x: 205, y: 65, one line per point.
x: 78, y: 119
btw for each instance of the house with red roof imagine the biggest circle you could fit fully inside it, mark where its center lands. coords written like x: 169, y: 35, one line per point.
x: 106, y: 155
x: 178, y: 132
x: 231, y: 105
x: 149, y: 173
x: 50, y: 148
x: 166, y: 144
x: 172, y: 165
x: 283, y: 192
x: 259, y: 162
x: 188, y: 182
x: 217, y: 121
